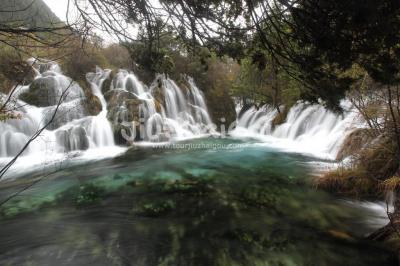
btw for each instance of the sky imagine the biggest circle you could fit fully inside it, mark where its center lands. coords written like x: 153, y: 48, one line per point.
x: 59, y: 7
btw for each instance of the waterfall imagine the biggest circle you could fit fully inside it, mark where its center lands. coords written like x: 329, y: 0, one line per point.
x: 307, y: 128
x: 72, y: 129
x: 167, y: 111
x: 100, y: 129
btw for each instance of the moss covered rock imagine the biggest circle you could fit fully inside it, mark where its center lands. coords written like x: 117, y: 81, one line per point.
x: 123, y: 113
x: 42, y: 92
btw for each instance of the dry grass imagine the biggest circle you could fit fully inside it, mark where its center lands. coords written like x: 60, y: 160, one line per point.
x: 391, y: 184
x: 349, y: 181
x: 370, y: 172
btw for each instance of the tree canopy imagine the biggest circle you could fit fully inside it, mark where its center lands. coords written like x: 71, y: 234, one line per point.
x: 314, y: 41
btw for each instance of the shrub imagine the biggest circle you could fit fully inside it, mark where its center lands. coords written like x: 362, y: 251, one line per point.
x: 117, y: 56
x: 83, y: 60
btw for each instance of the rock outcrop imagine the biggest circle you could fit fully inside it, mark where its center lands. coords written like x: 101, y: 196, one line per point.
x: 123, y: 113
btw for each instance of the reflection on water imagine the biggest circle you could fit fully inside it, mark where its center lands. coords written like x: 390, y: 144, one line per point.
x: 248, y: 206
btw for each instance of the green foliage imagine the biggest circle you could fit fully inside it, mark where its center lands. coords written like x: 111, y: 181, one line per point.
x: 335, y: 35
x: 261, y: 82
x: 214, y: 75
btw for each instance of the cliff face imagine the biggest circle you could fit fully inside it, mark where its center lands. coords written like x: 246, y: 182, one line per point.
x: 27, y: 13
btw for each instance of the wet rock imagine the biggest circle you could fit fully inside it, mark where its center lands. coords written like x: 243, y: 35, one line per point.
x: 107, y: 84
x: 157, y: 91
x: 124, y: 115
x: 72, y: 139
x: 92, y: 105
x: 65, y: 113
x: 280, y: 118
x: 42, y: 92
x: 48, y: 89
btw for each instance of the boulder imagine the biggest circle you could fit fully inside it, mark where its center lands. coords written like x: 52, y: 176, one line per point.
x: 42, y: 92
x: 74, y: 138
x: 66, y: 112
x: 123, y: 110
x: 92, y: 105
x: 47, y: 90
x: 280, y: 118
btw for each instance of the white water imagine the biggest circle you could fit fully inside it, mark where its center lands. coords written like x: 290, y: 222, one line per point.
x: 167, y: 112
x: 75, y: 135
x: 174, y: 114
x: 71, y: 130
x: 308, y: 129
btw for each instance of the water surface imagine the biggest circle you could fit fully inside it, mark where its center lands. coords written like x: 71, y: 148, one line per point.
x: 236, y: 204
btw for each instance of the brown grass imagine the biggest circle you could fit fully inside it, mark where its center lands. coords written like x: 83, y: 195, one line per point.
x: 369, y: 173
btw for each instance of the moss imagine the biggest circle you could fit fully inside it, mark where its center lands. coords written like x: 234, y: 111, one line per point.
x: 154, y: 209
x: 88, y: 194
x: 30, y: 98
x: 258, y: 196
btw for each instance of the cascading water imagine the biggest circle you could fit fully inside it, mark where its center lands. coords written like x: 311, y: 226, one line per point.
x: 100, y: 129
x: 72, y: 127
x: 308, y: 128
x: 166, y: 111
